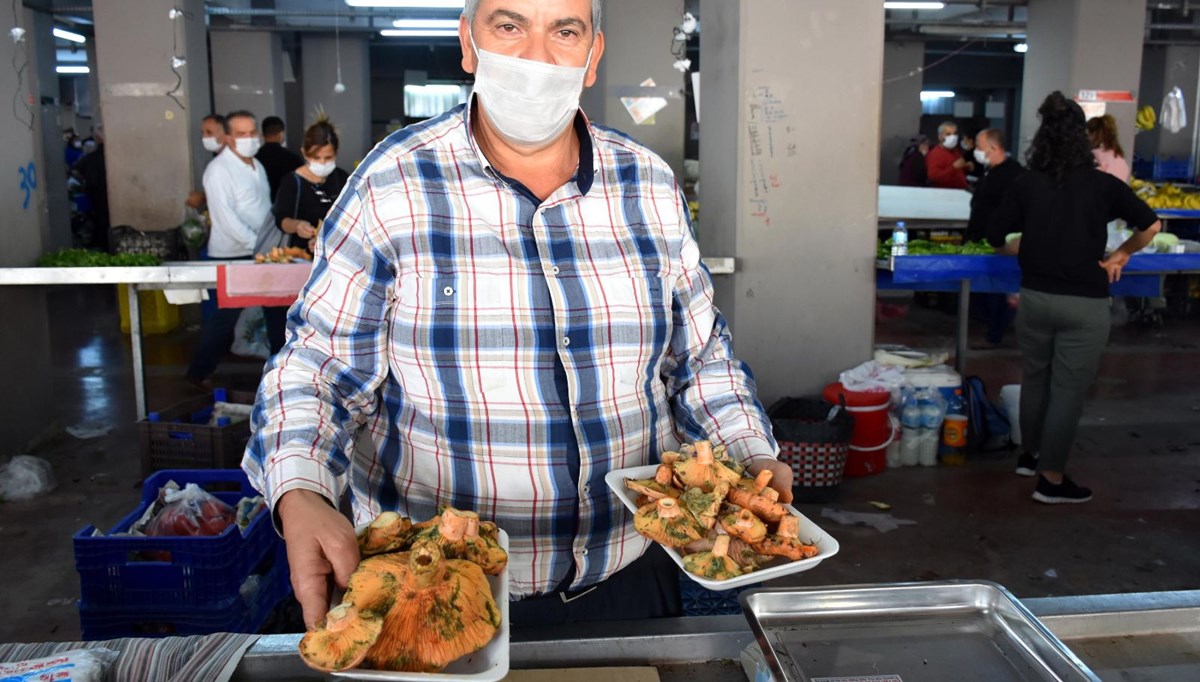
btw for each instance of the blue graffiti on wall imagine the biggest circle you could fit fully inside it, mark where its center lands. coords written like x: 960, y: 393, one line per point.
x: 28, y: 182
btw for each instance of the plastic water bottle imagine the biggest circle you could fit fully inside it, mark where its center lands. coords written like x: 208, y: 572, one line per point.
x: 932, y: 409
x: 910, y: 433
x: 954, y: 431
x: 900, y: 240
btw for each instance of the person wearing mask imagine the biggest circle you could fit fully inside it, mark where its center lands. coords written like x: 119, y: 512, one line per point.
x: 305, y: 198
x: 73, y: 148
x: 990, y: 153
x: 239, y: 207
x: 944, y: 165
x: 912, y: 164
x: 212, y: 138
x: 1106, y: 147
x: 91, y: 170
x: 276, y: 158
x: 505, y: 335
x: 1062, y: 206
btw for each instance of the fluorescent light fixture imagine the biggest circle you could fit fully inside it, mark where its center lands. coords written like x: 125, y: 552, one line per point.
x: 68, y: 35
x: 930, y: 95
x: 408, y: 4
x: 910, y: 5
x: 1021, y: 47
x: 418, y: 33
x: 443, y: 24
x: 72, y: 69
x: 433, y: 89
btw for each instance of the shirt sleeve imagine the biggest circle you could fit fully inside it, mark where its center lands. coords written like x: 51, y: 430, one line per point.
x: 285, y: 200
x: 713, y: 394
x: 1007, y: 218
x: 223, y: 209
x: 940, y: 169
x: 1127, y: 206
x: 316, y: 392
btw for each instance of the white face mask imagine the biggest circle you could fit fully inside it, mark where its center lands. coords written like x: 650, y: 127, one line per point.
x: 321, y: 170
x: 981, y: 157
x: 950, y: 141
x: 529, y: 102
x: 211, y: 144
x: 247, y: 147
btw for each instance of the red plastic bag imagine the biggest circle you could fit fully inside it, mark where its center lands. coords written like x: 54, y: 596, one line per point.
x: 191, y: 512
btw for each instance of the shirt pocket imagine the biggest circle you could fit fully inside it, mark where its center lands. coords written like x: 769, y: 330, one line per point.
x: 632, y: 318
x: 454, y: 335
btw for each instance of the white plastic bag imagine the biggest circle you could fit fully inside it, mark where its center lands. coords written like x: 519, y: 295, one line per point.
x: 1173, y: 116
x: 25, y: 477
x: 78, y: 665
x: 250, y: 334
x: 872, y: 377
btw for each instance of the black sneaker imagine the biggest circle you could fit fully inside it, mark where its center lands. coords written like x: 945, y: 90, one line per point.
x: 1063, y: 493
x: 1027, y: 464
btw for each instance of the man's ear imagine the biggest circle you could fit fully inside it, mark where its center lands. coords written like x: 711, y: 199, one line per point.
x: 469, y: 59
x: 597, y: 51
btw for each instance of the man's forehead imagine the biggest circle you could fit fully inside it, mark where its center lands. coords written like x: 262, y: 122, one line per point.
x: 555, y: 11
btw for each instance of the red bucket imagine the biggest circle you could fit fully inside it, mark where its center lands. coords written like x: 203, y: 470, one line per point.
x: 873, y: 431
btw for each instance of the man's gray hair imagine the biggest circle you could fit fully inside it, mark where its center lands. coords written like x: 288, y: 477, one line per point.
x: 947, y: 126
x: 472, y: 6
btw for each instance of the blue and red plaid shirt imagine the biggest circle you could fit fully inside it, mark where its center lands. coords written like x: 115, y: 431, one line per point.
x: 502, y: 353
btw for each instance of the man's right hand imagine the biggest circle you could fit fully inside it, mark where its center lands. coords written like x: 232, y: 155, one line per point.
x: 305, y: 230
x: 959, y: 164
x: 321, y: 544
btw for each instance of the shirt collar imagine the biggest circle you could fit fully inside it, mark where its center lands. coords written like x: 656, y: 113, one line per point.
x: 585, y: 173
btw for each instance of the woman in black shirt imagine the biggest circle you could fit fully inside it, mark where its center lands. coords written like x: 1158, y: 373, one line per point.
x: 1062, y: 207
x: 304, y: 199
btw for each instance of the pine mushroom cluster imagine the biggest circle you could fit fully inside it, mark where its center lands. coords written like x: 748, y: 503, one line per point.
x: 725, y: 522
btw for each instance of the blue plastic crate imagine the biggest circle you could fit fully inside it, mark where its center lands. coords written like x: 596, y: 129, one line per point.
x: 174, y: 572
x: 1172, y: 169
x: 242, y: 613
x: 700, y: 601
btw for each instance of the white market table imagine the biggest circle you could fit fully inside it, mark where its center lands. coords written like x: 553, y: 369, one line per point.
x: 174, y: 275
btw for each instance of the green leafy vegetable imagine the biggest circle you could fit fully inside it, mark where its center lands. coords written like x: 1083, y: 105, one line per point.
x: 83, y: 258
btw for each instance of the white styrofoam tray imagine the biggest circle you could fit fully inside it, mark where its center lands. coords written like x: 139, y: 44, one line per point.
x: 489, y: 664
x: 809, y: 533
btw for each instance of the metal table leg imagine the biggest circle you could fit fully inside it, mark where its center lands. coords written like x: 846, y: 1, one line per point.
x: 135, y: 342
x: 964, y: 318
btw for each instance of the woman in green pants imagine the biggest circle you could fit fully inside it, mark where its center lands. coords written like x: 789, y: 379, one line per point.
x: 1062, y: 207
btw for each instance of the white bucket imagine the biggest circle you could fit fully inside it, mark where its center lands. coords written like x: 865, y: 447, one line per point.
x: 1010, y: 398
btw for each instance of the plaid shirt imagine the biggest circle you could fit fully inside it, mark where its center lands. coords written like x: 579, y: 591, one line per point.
x: 503, y: 354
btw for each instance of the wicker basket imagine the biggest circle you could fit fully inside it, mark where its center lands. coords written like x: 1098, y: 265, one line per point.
x: 814, y: 440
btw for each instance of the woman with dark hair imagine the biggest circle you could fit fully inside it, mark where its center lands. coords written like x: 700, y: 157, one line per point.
x: 1106, y: 147
x: 1061, y: 207
x: 304, y: 199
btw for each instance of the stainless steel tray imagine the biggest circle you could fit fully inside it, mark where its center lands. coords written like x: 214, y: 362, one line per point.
x: 906, y: 632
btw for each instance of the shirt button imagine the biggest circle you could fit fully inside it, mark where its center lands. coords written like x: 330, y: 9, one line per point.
x: 449, y: 291
x: 566, y: 340
x: 586, y: 489
x: 584, y: 552
x: 554, y: 269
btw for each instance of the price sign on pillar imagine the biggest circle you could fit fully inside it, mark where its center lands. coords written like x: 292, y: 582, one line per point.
x: 1104, y: 96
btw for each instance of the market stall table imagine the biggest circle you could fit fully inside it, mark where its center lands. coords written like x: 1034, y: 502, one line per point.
x: 1148, y: 636
x: 1001, y: 274
x: 173, y: 275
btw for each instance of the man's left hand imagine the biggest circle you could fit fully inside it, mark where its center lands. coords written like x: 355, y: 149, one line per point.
x: 781, y: 479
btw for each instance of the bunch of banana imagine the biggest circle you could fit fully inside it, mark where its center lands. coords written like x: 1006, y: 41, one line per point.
x: 1166, y: 196
x: 1146, y: 118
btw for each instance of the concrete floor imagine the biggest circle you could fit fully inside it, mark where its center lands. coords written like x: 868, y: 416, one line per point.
x: 1139, y: 449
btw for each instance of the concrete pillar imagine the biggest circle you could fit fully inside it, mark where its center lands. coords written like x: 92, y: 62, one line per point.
x: 901, y: 105
x: 48, y: 124
x: 637, y: 36
x: 790, y: 156
x: 151, y: 138
x: 247, y: 72
x: 1082, y: 45
x: 25, y: 332
x: 350, y: 111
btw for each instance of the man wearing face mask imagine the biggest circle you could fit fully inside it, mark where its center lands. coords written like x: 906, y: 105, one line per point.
x: 944, y: 164
x: 239, y: 205
x: 212, y: 138
x: 1001, y: 172
x: 277, y: 160
x: 510, y: 300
